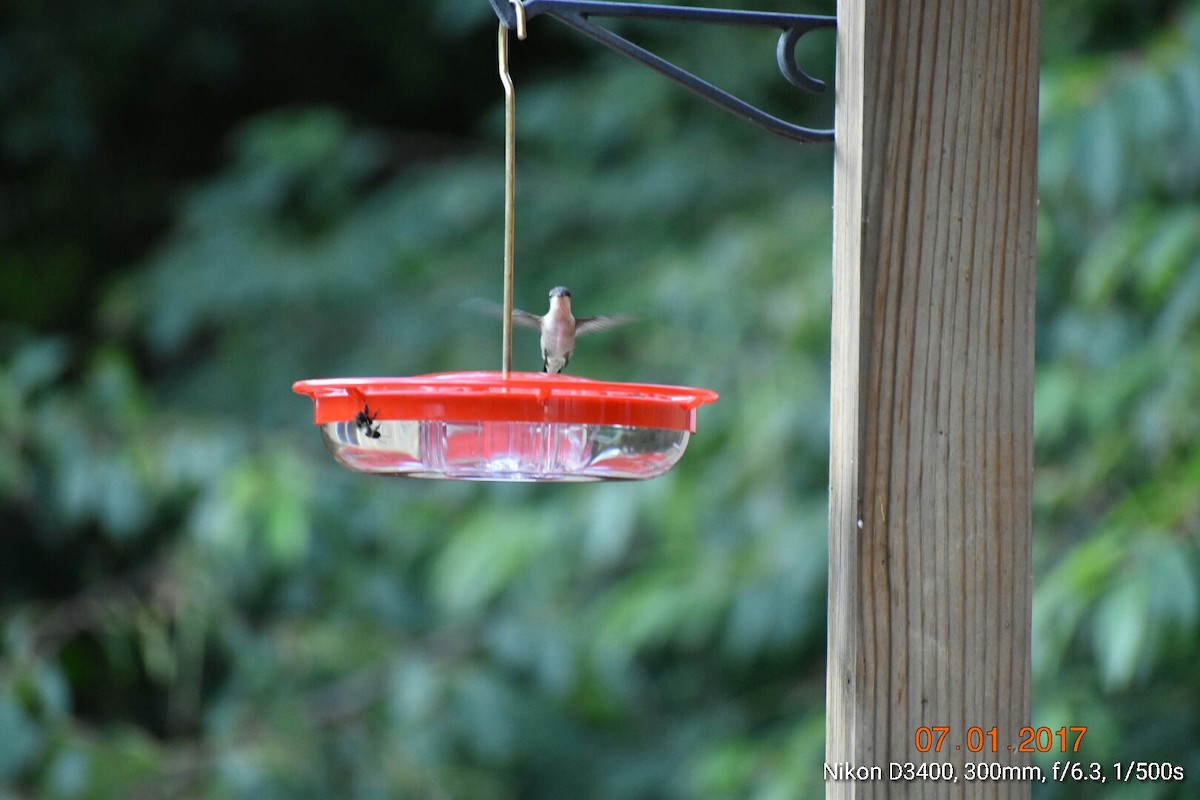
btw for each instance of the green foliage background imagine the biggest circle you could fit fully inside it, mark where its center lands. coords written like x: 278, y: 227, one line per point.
x: 202, y: 204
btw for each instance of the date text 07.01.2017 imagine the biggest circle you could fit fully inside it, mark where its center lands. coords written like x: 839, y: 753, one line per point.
x: 939, y: 738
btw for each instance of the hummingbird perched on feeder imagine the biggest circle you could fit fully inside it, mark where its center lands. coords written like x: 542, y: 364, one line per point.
x: 559, y: 328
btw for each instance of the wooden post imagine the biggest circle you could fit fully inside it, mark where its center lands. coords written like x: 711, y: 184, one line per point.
x: 935, y: 209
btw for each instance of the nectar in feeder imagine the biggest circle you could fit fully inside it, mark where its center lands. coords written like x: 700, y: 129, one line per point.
x: 520, y: 427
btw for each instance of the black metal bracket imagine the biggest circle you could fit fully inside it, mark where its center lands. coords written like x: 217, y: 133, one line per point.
x: 577, y: 14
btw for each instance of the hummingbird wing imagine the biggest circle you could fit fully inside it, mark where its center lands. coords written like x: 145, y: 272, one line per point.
x: 592, y: 324
x: 522, y: 318
x: 526, y: 320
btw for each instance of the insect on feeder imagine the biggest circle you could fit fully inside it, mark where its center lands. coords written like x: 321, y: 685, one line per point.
x: 522, y: 426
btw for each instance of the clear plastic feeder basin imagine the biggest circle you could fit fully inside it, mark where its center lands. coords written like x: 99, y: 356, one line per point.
x: 528, y: 426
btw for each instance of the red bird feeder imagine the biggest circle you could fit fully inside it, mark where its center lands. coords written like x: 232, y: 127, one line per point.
x: 525, y: 426
x: 505, y: 426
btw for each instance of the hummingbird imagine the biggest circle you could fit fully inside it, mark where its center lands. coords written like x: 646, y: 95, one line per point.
x: 559, y: 328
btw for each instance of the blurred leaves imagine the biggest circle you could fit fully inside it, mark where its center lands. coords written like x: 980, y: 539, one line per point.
x: 1117, y: 609
x: 198, y: 602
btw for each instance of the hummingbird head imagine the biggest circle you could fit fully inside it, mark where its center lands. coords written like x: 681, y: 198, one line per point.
x: 560, y: 291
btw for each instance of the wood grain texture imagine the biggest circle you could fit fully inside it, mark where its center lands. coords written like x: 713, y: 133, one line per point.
x: 935, y: 211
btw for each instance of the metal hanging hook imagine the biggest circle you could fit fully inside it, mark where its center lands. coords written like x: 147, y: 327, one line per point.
x: 519, y: 8
x: 510, y: 178
x: 578, y: 15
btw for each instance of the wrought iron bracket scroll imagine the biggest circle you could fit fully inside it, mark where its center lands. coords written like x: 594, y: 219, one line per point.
x: 577, y: 14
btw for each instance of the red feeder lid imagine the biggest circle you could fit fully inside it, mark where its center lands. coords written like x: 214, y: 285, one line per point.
x: 521, y: 397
